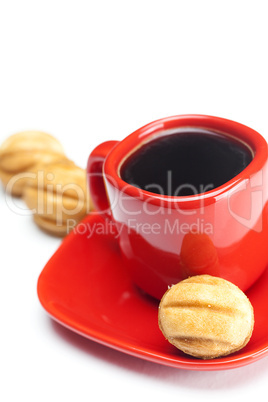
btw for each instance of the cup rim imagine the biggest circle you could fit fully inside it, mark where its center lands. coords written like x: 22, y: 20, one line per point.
x: 117, y: 156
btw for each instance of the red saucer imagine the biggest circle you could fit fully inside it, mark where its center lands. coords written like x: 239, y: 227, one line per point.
x: 84, y: 286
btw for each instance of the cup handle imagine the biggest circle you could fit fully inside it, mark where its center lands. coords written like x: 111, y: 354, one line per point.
x: 95, y: 177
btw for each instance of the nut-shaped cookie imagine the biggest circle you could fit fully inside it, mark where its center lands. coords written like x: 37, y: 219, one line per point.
x: 206, y: 317
x: 21, y: 152
x: 58, y: 196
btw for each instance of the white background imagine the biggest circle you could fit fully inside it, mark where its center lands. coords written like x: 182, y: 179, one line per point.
x: 88, y: 71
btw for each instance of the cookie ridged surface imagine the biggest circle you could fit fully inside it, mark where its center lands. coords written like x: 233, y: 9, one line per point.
x: 21, y: 152
x: 206, y: 317
x: 58, y: 196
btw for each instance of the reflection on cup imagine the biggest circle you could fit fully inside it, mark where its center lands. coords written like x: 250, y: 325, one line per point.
x: 199, y: 255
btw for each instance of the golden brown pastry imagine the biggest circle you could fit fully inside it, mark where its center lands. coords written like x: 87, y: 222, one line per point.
x: 206, y: 317
x: 57, y: 196
x: 51, y: 227
x: 20, y: 153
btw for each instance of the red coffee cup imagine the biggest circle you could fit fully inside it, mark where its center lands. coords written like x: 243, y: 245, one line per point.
x: 163, y: 238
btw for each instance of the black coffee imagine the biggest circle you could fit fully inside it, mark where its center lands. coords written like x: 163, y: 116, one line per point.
x: 185, y: 163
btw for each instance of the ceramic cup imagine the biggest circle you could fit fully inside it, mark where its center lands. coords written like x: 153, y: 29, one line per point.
x: 163, y: 238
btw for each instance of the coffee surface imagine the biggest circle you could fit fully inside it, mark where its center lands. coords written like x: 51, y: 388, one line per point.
x: 186, y: 163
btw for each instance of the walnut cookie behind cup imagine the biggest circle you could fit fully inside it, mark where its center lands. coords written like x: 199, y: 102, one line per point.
x: 58, y: 196
x: 21, y: 152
